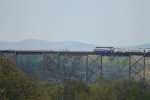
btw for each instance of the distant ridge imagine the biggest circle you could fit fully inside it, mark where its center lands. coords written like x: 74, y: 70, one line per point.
x: 33, y: 44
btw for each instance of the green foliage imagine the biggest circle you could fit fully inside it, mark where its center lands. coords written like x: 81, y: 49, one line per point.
x: 118, y: 90
x: 15, y: 85
x: 127, y: 91
x: 74, y: 90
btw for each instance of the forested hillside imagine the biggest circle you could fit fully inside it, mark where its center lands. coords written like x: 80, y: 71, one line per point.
x: 17, y: 85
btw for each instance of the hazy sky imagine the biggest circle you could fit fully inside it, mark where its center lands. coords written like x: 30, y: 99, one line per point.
x: 104, y: 22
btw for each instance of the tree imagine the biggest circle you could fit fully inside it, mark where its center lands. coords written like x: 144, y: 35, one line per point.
x: 15, y: 85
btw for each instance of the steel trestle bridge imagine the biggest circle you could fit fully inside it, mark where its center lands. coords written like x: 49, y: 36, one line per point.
x: 97, y: 60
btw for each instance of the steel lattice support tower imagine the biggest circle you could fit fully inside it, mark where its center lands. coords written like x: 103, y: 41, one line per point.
x: 137, y: 68
x: 94, y: 67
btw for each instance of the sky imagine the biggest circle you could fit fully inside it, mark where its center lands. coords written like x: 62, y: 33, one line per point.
x: 102, y: 22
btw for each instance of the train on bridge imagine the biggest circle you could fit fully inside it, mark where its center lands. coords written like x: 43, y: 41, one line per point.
x: 105, y: 51
x: 121, y: 50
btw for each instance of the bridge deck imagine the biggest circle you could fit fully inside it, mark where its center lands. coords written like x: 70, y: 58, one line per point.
x: 39, y: 52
